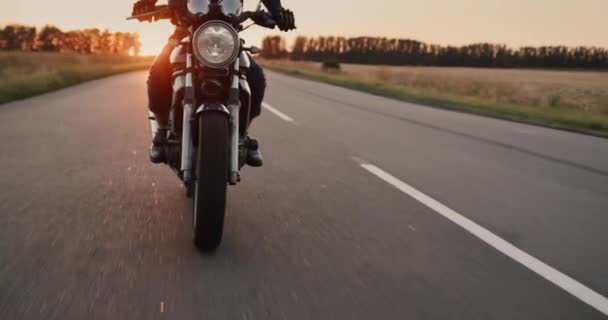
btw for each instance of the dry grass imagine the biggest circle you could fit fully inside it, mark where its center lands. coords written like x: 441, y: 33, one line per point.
x: 584, y: 91
x: 24, y: 74
x: 574, y: 98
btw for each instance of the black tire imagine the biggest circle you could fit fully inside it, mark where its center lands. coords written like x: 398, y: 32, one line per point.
x: 209, y: 202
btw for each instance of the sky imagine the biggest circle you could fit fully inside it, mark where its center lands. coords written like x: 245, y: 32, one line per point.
x: 448, y: 22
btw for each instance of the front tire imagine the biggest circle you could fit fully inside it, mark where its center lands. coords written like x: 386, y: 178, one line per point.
x: 211, y: 181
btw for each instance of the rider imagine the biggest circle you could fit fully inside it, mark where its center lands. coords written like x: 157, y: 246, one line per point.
x: 160, y: 84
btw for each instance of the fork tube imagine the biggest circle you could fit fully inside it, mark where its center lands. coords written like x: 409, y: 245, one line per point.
x: 234, y: 106
x: 187, y: 123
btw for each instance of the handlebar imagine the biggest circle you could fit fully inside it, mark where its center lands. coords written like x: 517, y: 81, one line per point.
x: 261, y: 18
x: 161, y: 12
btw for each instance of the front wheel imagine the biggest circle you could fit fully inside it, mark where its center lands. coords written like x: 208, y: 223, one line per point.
x: 211, y: 181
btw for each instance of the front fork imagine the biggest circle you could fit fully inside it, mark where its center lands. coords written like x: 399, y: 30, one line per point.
x: 234, y: 107
x: 187, y: 147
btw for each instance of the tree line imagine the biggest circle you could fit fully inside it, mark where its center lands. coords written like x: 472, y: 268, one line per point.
x: 53, y: 39
x: 376, y: 50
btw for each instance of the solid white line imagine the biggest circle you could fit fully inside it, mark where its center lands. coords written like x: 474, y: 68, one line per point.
x: 563, y: 281
x: 277, y: 112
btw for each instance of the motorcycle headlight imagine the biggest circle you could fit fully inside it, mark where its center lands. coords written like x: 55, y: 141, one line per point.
x: 216, y: 44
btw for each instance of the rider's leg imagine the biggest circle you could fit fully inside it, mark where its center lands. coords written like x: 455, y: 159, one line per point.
x: 160, y: 95
x: 257, y: 83
x: 159, y: 87
x: 159, y: 100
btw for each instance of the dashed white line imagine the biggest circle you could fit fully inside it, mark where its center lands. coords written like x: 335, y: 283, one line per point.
x: 551, y: 274
x: 277, y: 112
x: 526, y: 131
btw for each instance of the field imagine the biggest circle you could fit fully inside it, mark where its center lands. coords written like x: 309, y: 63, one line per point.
x: 24, y: 75
x: 570, y: 99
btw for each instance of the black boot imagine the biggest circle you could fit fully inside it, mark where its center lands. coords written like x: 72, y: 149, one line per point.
x: 157, y: 150
x: 254, y: 156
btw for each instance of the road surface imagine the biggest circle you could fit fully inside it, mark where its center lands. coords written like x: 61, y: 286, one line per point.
x: 367, y: 208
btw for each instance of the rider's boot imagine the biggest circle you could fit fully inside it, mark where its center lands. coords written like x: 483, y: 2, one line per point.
x: 254, y: 156
x: 157, y: 150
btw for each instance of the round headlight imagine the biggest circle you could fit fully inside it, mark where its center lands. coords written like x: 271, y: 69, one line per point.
x: 216, y: 44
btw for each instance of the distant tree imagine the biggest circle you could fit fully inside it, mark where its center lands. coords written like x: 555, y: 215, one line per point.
x: 28, y: 41
x: 133, y: 43
x: 50, y: 38
x: 93, y: 40
x: 370, y: 50
x: 16, y: 37
x: 123, y: 43
x: 273, y: 47
x: 105, y: 42
x: 75, y: 42
x: 299, y: 48
x: 10, y: 38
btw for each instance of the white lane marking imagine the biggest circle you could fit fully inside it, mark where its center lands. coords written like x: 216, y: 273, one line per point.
x: 526, y: 131
x: 561, y: 280
x: 277, y: 112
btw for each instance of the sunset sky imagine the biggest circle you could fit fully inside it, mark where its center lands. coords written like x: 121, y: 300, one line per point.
x: 514, y: 22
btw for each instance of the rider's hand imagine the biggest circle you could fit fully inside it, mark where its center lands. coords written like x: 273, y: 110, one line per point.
x: 285, y: 20
x: 144, y: 6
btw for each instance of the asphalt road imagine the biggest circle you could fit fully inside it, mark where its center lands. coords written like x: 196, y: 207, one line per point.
x: 89, y: 229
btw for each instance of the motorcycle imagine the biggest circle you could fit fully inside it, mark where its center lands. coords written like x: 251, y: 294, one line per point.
x: 207, y: 145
